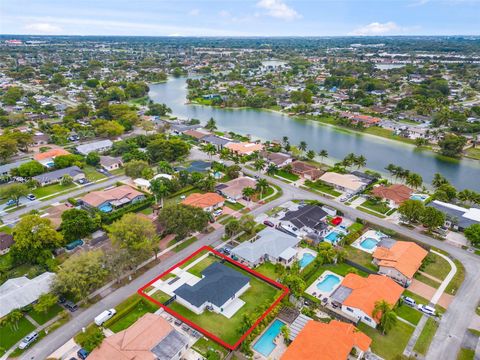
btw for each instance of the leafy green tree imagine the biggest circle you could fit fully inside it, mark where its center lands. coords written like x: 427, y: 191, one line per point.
x: 295, y: 283
x: 233, y: 171
x: 93, y: 158
x: 91, y: 339
x: 445, y: 192
x: 160, y: 189
x: 12, y: 95
x: 232, y: 228
x: 14, y: 192
x: 64, y: 161
x: 76, y: 224
x: 133, y: 232
x: 452, y: 145
x: 248, y: 224
x: 310, y: 154
x: 8, y: 148
x: 29, y: 169
x: 167, y: 150
x: 439, y: 180
x: 137, y: 169
x: 108, y: 129
x: 66, y: 180
x: 472, y: 233
x: 80, y: 274
x: 156, y: 109
x: 411, y: 210
x: 432, y: 218
x: 414, y: 180
x: 182, y: 219
x: 35, y: 238
x: 45, y: 302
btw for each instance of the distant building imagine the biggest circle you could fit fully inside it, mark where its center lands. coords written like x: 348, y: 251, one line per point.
x: 111, y: 199
x: 97, y: 146
x: 277, y: 159
x: 207, y: 201
x: 243, y: 148
x: 6, y: 168
x: 233, y: 189
x: 110, y: 163
x: 457, y: 217
x: 395, y: 194
x: 307, y: 222
x: 305, y: 170
x: 344, y: 182
x: 46, y: 158
x: 56, y: 176
x: 6, y: 241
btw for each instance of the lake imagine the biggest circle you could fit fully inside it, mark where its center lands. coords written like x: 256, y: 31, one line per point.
x: 268, y: 125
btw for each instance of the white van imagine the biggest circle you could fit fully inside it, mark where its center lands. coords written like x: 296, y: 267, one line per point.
x: 104, y: 316
x: 427, y: 310
x: 27, y: 340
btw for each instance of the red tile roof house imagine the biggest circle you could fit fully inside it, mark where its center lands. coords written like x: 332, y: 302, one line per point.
x: 396, y: 194
x: 306, y: 171
x: 207, y: 201
x: 46, y: 158
x: 334, y: 341
x: 356, y: 296
x: 399, y: 260
x: 112, y: 198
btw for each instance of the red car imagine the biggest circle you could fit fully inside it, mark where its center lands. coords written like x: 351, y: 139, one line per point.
x: 269, y: 223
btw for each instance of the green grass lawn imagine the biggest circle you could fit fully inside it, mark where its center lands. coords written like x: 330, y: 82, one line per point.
x: 378, y: 206
x: 259, y: 294
x: 392, y: 344
x: 421, y: 300
x: 473, y: 153
x: 234, y: 206
x: 202, y: 265
x: 9, y: 270
x: 321, y: 186
x: 368, y: 211
x: 386, y: 133
x: 142, y: 307
x: 408, y: 313
x: 185, y: 244
x: 9, y: 337
x: 177, y: 198
x: 92, y: 174
x: 457, y: 279
x: 466, y: 354
x: 51, y: 189
x: 267, y: 193
x: 160, y: 296
x: 204, y: 345
x: 287, y: 175
x: 426, y: 337
x: 360, y: 257
x: 436, y: 266
x: 427, y: 280
x: 147, y: 211
x: 267, y: 269
x: 42, y: 318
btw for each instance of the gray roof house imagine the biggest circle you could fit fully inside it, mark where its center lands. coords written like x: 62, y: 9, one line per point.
x: 458, y: 216
x: 269, y: 245
x: 22, y: 291
x: 306, y: 221
x: 218, y: 141
x: 98, y: 146
x: 55, y: 176
x: 5, y: 169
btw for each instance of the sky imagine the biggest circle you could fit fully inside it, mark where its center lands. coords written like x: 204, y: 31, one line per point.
x: 240, y: 17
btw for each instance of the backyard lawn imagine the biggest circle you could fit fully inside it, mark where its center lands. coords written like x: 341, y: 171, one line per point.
x: 9, y: 337
x: 466, y: 354
x: 259, y: 294
x: 204, y: 345
x: 393, y: 343
x: 43, y: 317
x: 267, y: 269
x: 323, y: 187
x: 41, y: 192
x: 426, y: 337
x: 360, y: 257
x: 141, y: 308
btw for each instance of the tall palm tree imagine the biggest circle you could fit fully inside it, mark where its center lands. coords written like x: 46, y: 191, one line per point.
x: 310, y: 154
x: 414, y: 180
x: 261, y: 186
x: 248, y: 192
x: 165, y: 167
x: 210, y: 149
x: 285, y: 140
x: 302, y: 146
x: 439, y: 180
x: 13, y: 318
x: 272, y: 169
x: 323, y: 154
x: 259, y: 164
x: 211, y: 124
x: 388, y: 318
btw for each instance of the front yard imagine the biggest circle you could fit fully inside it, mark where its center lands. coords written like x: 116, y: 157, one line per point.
x: 322, y: 187
x: 48, y: 190
x: 43, y: 317
x: 426, y: 337
x: 9, y: 336
x: 206, y: 346
x: 286, y: 175
x: 130, y: 311
x: 374, y: 205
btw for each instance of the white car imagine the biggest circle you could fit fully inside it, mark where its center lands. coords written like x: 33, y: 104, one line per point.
x: 427, y: 310
x: 28, y: 340
x: 217, y: 212
x: 104, y: 316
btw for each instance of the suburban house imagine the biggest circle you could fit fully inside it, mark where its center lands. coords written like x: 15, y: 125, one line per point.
x: 56, y: 176
x: 307, y: 221
x: 6, y: 168
x: 457, y: 217
x: 233, y: 189
x: 395, y: 194
x: 6, y: 240
x: 366, y: 120
x: 306, y: 171
x: 142, y: 184
x: 97, y: 146
x: 46, y: 158
x: 150, y: 337
x: 268, y: 245
x: 196, y: 134
x: 21, y: 291
x: 399, y: 260
x: 110, y: 163
x: 344, y: 182
x: 207, y: 201
x: 54, y: 214
x: 334, y: 341
x: 243, y: 148
x: 110, y: 199
x: 40, y: 139
x: 218, y: 141
x: 356, y: 296
x: 218, y: 290
x: 277, y: 159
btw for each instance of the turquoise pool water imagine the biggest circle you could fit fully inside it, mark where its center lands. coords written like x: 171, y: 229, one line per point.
x: 306, y: 259
x: 332, y: 237
x: 369, y: 243
x: 419, y: 197
x: 265, y: 344
x: 328, y: 283
x: 106, y: 208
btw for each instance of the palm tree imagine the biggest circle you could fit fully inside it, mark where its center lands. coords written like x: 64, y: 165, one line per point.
x: 360, y: 161
x: 302, y: 146
x: 259, y: 164
x: 285, y: 140
x: 262, y: 185
x: 349, y: 160
x: 248, y: 192
x: 211, y: 124
x: 439, y: 180
x: 414, y: 180
x: 13, y: 318
x: 388, y: 318
x: 210, y: 149
x: 310, y: 154
x: 272, y: 169
x: 391, y: 168
x: 323, y: 154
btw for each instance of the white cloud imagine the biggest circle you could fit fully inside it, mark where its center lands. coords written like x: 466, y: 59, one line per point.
x: 43, y: 28
x: 377, y: 28
x: 224, y: 13
x: 278, y: 9
x: 194, y: 12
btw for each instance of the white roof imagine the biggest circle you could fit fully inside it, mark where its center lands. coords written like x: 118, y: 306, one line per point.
x: 347, y: 181
x: 85, y: 149
x: 142, y: 182
x: 472, y: 214
x: 19, y: 292
x: 165, y: 176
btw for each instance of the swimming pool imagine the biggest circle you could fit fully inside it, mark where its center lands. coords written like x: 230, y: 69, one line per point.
x: 106, y: 208
x: 332, y: 236
x: 328, y: 283
x: 265, y: 345
x: 306, y: 259
x: 419, y: 197
x: 369, y: 243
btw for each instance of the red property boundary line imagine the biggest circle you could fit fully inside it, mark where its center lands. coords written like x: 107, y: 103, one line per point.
x: 199, y: 328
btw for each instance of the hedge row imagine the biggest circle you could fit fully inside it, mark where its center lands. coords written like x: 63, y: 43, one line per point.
x: 108, y: 218
x: 123, y: 309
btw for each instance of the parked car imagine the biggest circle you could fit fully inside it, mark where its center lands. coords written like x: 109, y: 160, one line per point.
x: 31, y: 197
x: 70, y: 305
x: 104, y: 316
x: 28, y: 340
x: 409, y: 301
x: 11, y: 202
x: 82, y: 353
x: 217, y: 212
x: 269, y: 223
x: 232, y: 201
x: 72, y: 245
x: 427, y: 310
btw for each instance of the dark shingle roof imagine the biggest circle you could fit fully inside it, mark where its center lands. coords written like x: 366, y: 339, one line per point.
x: 308, y: 215
x: 462, y: 222
x: 216, y: 140
x: 219, y: 283
x: 57, y: 174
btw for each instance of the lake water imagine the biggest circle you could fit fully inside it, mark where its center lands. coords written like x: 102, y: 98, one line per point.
x: 267, y: 125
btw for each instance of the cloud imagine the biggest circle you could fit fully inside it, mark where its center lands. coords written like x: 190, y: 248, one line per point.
x: 377, y: 28
x: 43, y: 28
x: 418, y: 3
x: 224, y: 13
x: 278, y: 9
x: 194, y: 12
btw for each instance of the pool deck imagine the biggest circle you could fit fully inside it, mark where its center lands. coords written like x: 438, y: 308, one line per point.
x: 302, y: 251
x: 370, y: 234
x: 280, y: 346
x: 315, y: 292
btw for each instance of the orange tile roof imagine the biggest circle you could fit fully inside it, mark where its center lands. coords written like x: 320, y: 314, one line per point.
x: 396, y: 192
x: 96, y: 198
x: 244, y: 147
x: 405, y: 256
x: 50, y: 154
x: 203, y: 200
x: 332, y: 341
x: 367, y: 291
x: 136, y: 342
